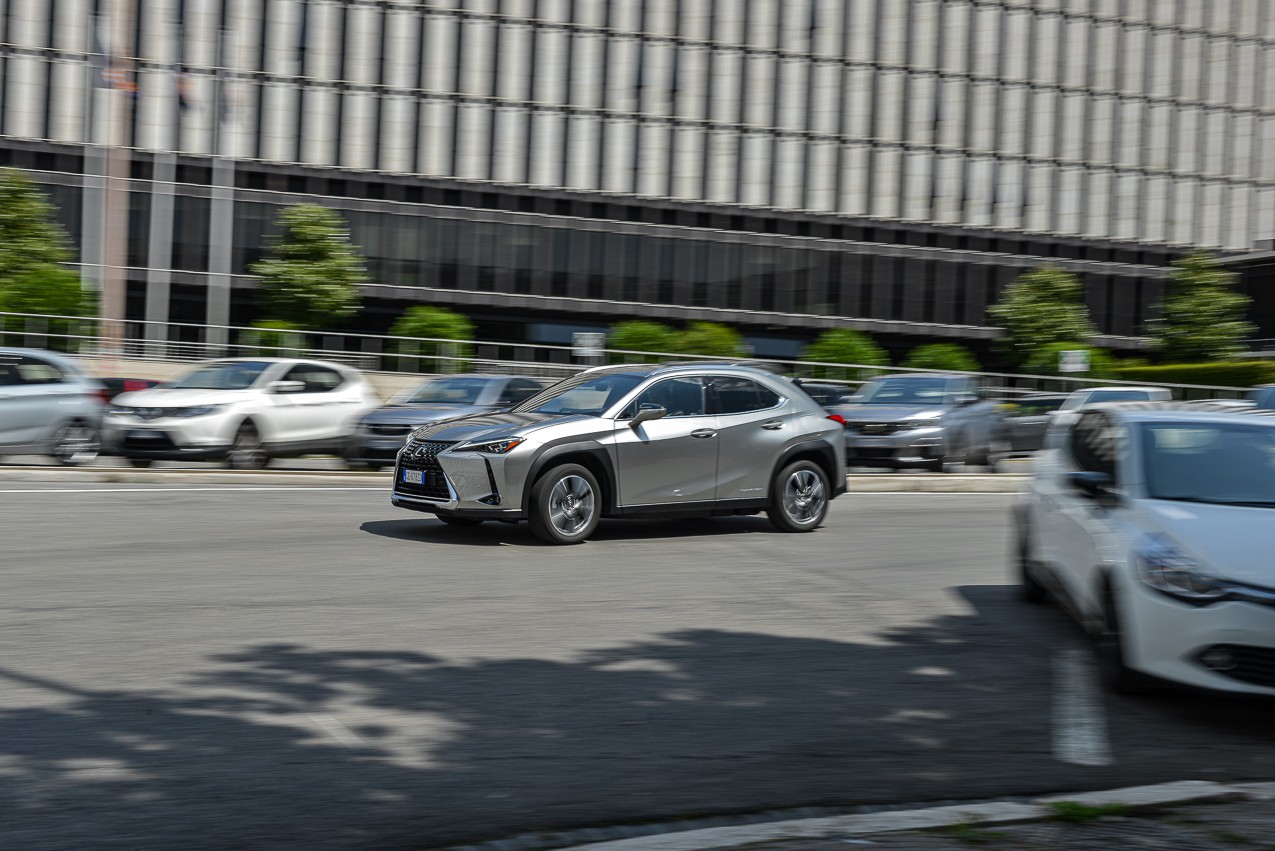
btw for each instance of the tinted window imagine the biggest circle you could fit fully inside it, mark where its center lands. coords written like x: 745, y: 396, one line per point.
x: 1215, y: 463
x: 733, y: 395
x: 683, y: 397
x: 318, y: 379
x: 35, y: 371
x: 518, y: 390
x: 227, y: 375
x: 453, y: 391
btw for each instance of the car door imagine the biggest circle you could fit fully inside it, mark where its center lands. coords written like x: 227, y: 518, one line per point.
x: 753, y: 425
x: 318, y: 410
x: 35, y: 396
x: 672, y: 460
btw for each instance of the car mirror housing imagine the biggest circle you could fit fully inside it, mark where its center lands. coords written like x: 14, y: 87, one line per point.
x: 1093, y: 485
x: 287, y: 386
x: 646, y: 413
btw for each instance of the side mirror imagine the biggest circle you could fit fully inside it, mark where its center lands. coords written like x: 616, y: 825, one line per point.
x: 963, y: 399
x: 1096, y: 486
x: 646, y: 413
x: 287, y: 386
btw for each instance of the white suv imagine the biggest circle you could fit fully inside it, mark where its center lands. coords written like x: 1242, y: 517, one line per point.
x: 245, y: 410
x: 1154, y: 524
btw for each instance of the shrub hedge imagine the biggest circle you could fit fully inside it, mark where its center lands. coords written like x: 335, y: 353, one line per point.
x: 1246, y: 373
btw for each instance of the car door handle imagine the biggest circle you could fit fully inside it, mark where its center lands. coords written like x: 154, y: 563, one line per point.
x: 773, y: 425
x: 703, y: 432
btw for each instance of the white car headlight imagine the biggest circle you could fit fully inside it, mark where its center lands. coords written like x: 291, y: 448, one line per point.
x: 1167, y: 569
x: 121, y: 409
x: 195, y: 411
x: 492, y: 447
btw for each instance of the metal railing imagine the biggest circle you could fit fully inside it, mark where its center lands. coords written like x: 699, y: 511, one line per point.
x: 142, y: 340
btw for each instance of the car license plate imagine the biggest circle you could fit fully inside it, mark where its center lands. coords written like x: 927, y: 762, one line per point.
x: 414, y: 477
x: 872, y: 441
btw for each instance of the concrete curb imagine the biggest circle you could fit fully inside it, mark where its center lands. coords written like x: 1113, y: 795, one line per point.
x: 1135, y: 798
x: 880, y: 483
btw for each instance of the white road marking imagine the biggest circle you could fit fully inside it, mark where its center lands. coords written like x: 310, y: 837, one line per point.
x: 338, y: 731
x: 204, y: 489
x: 1079, y: 719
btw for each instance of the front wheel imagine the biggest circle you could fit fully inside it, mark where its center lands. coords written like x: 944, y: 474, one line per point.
x: 1031, y: 588
x: 1109, y: 647
x: 75, y: 444
x: 566, y: 505
x: 798, y: 497
x: 247, y: 452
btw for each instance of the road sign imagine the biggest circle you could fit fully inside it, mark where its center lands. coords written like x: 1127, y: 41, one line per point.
x: 588, y: 344
x: 1073, y: 360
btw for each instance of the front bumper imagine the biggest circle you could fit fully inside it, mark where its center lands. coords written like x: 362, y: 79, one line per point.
x: 1171, y: 639
x: 461, y: 484
x: 194, y: 438
x: 913, y: 447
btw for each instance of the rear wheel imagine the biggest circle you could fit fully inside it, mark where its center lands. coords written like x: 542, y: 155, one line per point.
x: 798, y: 497
x: 247, y: 452
x: 566, y: 504
x: 75, y: 444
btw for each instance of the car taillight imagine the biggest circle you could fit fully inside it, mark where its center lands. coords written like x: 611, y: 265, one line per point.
x: 838, y: 419
x: 103, y: 396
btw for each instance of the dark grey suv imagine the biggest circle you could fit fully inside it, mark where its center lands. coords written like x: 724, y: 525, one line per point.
x: 670, y: 440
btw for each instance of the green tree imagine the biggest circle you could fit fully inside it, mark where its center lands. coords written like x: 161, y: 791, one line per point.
x: 1042, y: 306
x: 710, y: 338
x: 942, y: 356
x: 446, y: 334
x: 844, y: 345
x: 272, y: 338
x: 34, y: 251
x: 1044, y: 361
x: 312, y: 273
x: 1202, y: 316
x: 641, y: 336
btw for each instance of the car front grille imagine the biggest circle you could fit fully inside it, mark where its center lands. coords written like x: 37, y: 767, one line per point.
x: 875, y: 428
x: 423, y: 456
x: 873, y: 453
x: 154, y: 440
x: 390, y: 429
x: 1253, y: 665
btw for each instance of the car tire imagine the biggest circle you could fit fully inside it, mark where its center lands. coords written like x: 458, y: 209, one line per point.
x: 938, y: 465
x: 140, y: 463
x: 462, y: 522
x: 566, y: 504
x: 247, y: 452
x: 76, y: 444
x: 798, y: 497
x: 1031, y: 589
x: 1109, y: 647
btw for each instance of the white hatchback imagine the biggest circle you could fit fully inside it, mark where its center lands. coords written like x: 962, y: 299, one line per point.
x: 245, y: 410
x: 1154, y: 525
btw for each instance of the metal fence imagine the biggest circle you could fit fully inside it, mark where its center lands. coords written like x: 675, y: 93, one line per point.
x: 185, y: 342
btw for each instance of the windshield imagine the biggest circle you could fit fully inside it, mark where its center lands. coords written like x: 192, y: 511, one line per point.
x: 1093, y: 397
x: 1227, y: 464
x: 449, y: 391
x: 584, y: 394
x: 903, y: 391
x: 228, y: 375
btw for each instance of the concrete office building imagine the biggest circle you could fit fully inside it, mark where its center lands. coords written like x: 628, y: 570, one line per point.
x: 557, y: 165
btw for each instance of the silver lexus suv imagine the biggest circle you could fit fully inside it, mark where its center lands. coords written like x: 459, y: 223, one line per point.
x: 669, y: 440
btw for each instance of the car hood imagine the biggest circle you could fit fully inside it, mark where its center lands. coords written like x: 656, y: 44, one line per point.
x: 886, y: 413
x: 420, y: 414
x: 1233, y: 542
x: 494, y: 426
x: 165, y: 397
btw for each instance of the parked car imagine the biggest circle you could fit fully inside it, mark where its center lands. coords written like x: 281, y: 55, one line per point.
x: 1152, y: 524
x: 382, y: 433
x: 1263, y: 396
x: 49, y: 405
x: 921, y: 420
x: 245, y: 410
x: 677, y: 439
x: 1026, y: 419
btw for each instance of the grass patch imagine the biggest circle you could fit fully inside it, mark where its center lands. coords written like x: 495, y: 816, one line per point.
x: 968, y: 833
x: 1076, y: 813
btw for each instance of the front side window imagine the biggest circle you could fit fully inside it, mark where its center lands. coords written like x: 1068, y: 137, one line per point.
x: 317, y: 379
x: 1223, y: 463
x: 590, y: 393
x: 226, y: 375
x: 682, y: 397
x: 733, y: 395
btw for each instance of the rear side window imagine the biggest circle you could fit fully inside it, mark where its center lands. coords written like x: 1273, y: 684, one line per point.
x: 729, y: 394
x: 35, y: 371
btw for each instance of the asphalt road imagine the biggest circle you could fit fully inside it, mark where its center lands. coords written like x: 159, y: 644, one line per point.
x: 312, y: 668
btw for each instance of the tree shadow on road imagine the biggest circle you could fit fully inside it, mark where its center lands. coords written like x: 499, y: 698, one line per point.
x: 289, y: 746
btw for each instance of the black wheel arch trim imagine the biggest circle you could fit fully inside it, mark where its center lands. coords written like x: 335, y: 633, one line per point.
x: 561, y: 454
x: 827, y: 461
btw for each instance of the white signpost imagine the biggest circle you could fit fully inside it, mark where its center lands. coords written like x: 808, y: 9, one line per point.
x: 1074, y: 360
x: 588, y: 344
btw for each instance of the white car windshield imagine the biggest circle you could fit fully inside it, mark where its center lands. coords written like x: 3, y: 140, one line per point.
x: 584, y: 394
x: 227, y: 375
x: 1218, y: 463
x: 902, y: 391
x: 452, y: 391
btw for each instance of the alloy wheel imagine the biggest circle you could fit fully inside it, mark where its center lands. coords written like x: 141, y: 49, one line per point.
x: 75, y: 444
x: 804, y: 497
x: 571, y: 505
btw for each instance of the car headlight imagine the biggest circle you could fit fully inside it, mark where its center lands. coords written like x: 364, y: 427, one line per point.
x: 493, y: 447
x: 1167, y: 569
x: 121, y: 409
x: 195, y: 411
